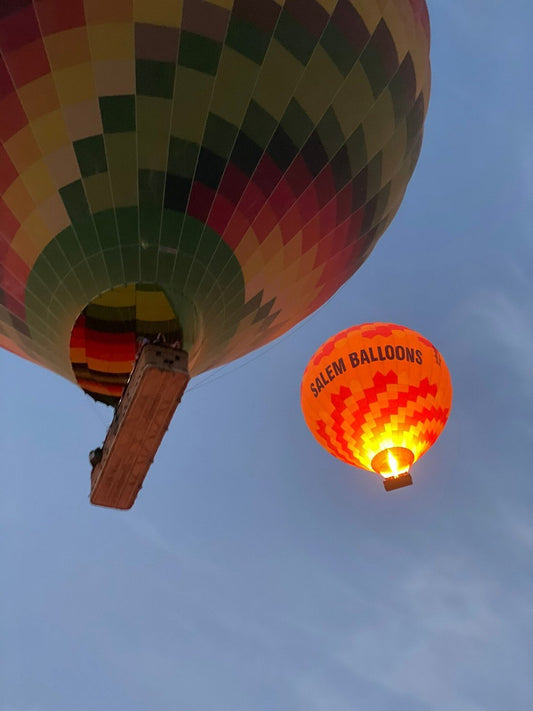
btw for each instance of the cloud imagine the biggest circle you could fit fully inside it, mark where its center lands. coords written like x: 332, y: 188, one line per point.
x: 522, y: 531
x: 504, y: 321
x: 525, y: 149
x: 440, y: 640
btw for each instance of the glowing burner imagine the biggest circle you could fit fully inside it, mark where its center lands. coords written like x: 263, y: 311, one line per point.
x: 393, y: 464
x: 392, y: 461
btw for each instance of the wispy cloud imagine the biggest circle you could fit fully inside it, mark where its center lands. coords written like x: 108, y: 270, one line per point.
x: 506, y: 323
x: 526, y: 158
x: 522, y: 531
x: 453, y: 616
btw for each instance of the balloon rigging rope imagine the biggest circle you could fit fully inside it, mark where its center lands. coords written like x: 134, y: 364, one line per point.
x: 266, y: 349
x: 98, y: 412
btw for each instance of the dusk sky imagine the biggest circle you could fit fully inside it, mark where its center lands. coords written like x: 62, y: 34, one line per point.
x: 257, y: 573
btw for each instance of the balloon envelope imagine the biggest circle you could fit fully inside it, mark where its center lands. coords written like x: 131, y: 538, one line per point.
x: 377, y: 396
x: 238, y: 159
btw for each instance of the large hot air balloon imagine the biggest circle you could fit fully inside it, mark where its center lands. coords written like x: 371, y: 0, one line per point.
x: 208, y: 170
x: 377, y: 396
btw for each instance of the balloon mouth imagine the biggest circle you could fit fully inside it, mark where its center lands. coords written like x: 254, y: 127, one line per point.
x: 105, y: 339
x: 393, y: 461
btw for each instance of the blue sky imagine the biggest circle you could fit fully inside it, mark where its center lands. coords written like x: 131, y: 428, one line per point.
x: 257, y: 573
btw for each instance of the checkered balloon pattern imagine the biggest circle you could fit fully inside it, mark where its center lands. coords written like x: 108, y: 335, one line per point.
x: 374, y: 388
x: 210, y: 169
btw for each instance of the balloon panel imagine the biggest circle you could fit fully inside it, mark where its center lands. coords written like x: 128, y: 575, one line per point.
x: 376, y: 387
x: 243, y: 157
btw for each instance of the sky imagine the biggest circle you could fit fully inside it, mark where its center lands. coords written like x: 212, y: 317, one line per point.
x: 256, y: 572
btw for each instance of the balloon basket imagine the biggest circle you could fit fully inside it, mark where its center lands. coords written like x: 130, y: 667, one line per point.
x: 397, y: 482
x: 142, y: 417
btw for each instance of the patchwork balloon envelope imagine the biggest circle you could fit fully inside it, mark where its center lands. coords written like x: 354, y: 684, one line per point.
x: 206, y: 169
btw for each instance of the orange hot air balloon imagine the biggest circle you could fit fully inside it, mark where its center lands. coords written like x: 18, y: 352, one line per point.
x: 377, y: 396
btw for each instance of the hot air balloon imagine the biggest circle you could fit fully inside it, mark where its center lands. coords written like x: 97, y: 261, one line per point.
x: 377, y: 396
x: 208, y: 170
